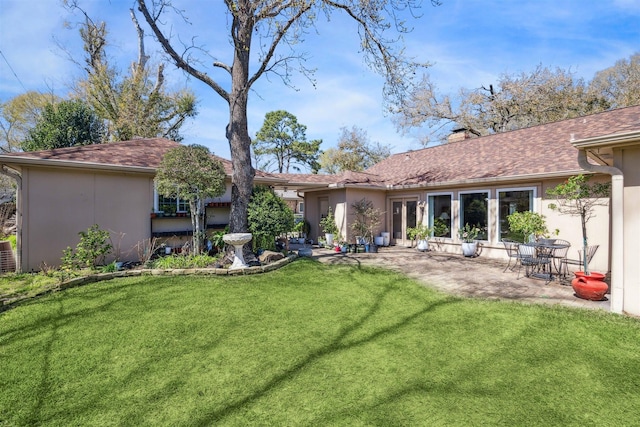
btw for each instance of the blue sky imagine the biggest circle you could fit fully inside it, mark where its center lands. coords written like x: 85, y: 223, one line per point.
x: 469, y: 42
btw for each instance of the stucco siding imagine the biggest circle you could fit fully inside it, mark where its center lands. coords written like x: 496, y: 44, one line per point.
x: 58, y: 203
x: 313, y: 210
x: 598, y: 227
x: 354, y: 195
x: 631, y: 169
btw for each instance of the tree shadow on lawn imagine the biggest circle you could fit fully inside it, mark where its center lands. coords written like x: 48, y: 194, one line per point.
x: 336, y: 345
x: 64, y: 315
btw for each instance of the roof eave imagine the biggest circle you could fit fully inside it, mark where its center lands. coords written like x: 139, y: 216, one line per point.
x: 30, y: 161
x: 611, y: 140
x: 490, y: 181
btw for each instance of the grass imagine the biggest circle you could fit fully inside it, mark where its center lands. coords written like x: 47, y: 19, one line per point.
x: 310, y: 344
x: 25, y: 285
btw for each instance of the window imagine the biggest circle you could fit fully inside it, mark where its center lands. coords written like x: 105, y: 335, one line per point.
x: 172, y: 204
x: 474, y: 208
x: 440, y: 214
x: 510, y: 201
x: 301, y: 207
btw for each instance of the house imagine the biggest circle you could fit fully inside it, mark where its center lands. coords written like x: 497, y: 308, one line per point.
x: 64, y: 191
x: 481, y: 180
x: 469, y: 180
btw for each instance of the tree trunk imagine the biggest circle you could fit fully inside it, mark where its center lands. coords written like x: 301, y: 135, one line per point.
x: 585, y: 244
x: 237, y: 130
x: 195, y: 225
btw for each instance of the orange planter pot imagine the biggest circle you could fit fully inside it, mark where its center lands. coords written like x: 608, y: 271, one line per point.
x: 591, y: 287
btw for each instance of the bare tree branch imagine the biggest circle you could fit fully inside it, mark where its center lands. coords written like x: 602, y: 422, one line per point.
x: 177, y: 59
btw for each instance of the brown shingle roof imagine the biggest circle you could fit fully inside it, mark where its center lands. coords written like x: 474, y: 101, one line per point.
x: 544, y: 149
x: 143, y: 152
x: 539, y: 150
x: 306, y: 178
x: 348, y: 177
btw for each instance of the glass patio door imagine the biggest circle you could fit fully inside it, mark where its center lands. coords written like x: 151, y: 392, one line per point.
x: 404, y: 215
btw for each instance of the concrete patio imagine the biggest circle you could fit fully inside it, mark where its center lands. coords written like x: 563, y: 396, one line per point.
x: 469, y: 277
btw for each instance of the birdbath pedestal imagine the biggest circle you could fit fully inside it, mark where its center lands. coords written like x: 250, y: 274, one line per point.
x: 237, y: 240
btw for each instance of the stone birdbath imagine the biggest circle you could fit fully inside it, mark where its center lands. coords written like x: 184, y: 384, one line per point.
x: 237, y: 240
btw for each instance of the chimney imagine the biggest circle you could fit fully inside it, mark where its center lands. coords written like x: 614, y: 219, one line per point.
x: 460, y: 134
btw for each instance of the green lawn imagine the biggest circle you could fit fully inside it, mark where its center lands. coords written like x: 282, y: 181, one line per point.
x: 310, y: 345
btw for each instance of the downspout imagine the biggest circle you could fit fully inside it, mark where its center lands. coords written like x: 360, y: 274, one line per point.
x: 18, y: 178
x: 617, y: 228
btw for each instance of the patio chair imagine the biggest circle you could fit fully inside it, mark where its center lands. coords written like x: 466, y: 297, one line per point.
x: 591, y: 251
x: 526, y: 257
x: 559, y: 254
x: 511, y: 246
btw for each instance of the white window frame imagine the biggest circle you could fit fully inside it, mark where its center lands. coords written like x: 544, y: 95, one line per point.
x: 488, y: 199
x: 156, y: 202
x: 428, y: 208
x: 534, y: 203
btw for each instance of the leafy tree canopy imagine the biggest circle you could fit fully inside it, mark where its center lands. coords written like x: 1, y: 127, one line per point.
x: 19, y: 115
x: 136, y: 104
x: 65, y: 124
x: 282, y: 142
x: 189, y: 172
x: 519, y: 100
x: 354, y: 152
x: 619, y: 85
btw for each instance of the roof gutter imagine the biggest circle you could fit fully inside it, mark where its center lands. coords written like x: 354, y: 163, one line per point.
x: 617, y: 228
x: 492, y: 180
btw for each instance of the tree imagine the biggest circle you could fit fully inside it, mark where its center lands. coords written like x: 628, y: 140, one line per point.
x: 135, y: 105
x: 68, y: 123
x: 354, y: 153
x: 283, y: 138
x: 19, y: 115
x: 515, y: 102
x: 275, y: 23
x: 619, y: 85
x: 189, y: 172
x: 577, y: 197
x: 269, y: 217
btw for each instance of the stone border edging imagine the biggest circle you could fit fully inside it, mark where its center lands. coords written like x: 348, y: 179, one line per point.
x: 99, y: 277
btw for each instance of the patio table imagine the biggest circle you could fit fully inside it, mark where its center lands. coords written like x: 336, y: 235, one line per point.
x: 543, y: 264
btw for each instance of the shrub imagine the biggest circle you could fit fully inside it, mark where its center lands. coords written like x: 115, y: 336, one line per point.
x: 93, y: 247
x: 269, y: 216
x: 527, y: 225
x: 328, y: 223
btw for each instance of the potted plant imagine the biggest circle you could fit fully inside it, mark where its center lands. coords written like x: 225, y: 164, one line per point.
x: 302, y: 227
x: 468, y: 235
x: 421, y: 233
x: 367, y: 219
x: 329, y: 227
x: 576, y: 196
x: 527, y: 226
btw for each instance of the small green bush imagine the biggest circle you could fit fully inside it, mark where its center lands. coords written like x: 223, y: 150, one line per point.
x: 93, y: 247
x: 184, y: 261
x: 109, y: 268
x: 269, y: 216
